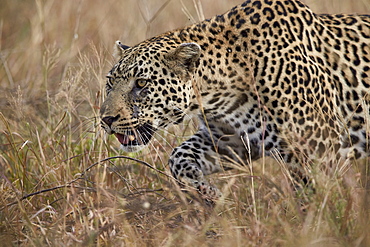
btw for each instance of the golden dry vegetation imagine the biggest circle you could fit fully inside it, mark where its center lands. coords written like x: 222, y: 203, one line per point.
x: 55, y: 192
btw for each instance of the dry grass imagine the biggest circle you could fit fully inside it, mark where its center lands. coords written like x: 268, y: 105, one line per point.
x: 54, y: 57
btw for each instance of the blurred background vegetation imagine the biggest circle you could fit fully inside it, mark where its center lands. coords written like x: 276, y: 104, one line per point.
x: 54, y: 58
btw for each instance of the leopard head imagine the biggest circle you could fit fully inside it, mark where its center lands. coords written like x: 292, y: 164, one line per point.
x: 149, y: 88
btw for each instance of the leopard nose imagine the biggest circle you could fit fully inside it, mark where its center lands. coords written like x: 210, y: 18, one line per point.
x: 109, y: 120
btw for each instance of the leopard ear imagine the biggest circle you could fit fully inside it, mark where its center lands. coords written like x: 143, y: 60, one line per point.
x: 118, y: 49
x: 185, y: 55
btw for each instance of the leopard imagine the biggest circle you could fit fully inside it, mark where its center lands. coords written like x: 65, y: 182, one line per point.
x: 267, y: 77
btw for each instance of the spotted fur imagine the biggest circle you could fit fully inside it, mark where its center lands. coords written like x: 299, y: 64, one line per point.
x: 266, y: 76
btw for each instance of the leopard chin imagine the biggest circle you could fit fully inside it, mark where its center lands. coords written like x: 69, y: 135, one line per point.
x: 132, y: 149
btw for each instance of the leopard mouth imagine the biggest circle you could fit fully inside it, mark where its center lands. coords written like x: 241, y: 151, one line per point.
x: 139, y: 136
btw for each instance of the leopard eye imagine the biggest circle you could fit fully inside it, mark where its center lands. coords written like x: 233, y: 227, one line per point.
x: 141, y: 83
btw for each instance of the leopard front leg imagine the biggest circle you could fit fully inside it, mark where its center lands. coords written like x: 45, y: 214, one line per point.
x: 194, y: 159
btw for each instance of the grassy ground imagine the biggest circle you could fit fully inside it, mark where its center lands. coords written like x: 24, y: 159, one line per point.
x: 55, y: 192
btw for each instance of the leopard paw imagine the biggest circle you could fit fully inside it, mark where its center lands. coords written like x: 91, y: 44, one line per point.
x: 209, y: 192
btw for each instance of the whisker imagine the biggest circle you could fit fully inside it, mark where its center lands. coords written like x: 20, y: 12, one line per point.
x: 175, y: 126
x: 163, y: 138
x: 86, y: 128
x: 158, y: 153
x: 126, y: 134
x: 140, y: 135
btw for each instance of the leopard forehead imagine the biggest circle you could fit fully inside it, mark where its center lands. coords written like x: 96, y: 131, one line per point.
x: 132, y: 59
